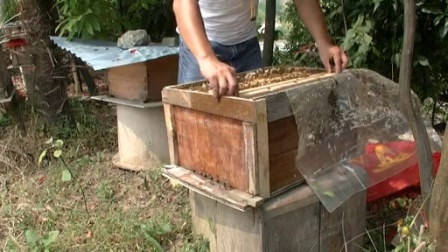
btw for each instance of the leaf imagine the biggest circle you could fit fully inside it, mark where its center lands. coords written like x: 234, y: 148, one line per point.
x: 89, y: 28
x: 367, y: 38
x: 66, y: 176
x: 444, y: 29
x: 96, y: 25
x: 165, y: 228
x: 438, y: 19
x: 31, y: 237
x: 49, y: 141
x: 41, y: 157
x: 58, y: 143
x: 57, y: 153
x: 422, y: 60
x: 154, y: 243
x: 330, y: 194
x: 377, y: 4
x: 402, y: 202
x: 432, y: 10
x: 50, y: 238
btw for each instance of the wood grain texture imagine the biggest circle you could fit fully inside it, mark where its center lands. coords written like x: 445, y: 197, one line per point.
x: 262, y: 147
x: 283, y: 136
x: 212, y: 146
x: 229, y: 107
x: 355, y: 221
x: 226, y: 229
x: 283, y: 143
x: 283, y: 171
x: 296, y: 230
x: 293, y: 221
x: 143, y: 81
x: 171, y: 133
x: 194, y: 182
x: 250, y: 157
x: 161, y: 72
x: 128, y: 82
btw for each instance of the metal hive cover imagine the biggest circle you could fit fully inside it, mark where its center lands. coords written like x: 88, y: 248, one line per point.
x: 105, y: 54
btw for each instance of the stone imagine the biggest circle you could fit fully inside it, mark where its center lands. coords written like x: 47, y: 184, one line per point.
x: 133, y: 38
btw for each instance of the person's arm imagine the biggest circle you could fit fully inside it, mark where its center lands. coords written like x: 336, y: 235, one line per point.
x: 313, y: 18
x: 191, y: 27
x: 221, y: 76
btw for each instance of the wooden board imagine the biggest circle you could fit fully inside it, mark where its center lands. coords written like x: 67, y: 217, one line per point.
x: 292, y: 221
x: 143, y: 81
x: 229, y: 197
x: 230, y: 107
x: 283, y: 143
x: 161, y: 72
x: 212, y: 146
x: 128, y: 82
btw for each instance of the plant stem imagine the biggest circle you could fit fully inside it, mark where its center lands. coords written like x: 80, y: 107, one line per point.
x: 80, y: 187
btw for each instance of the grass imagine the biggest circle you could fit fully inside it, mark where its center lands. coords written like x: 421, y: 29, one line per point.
x: 126, y: 211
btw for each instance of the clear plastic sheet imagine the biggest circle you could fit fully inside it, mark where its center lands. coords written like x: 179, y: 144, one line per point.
x: 352, y: 134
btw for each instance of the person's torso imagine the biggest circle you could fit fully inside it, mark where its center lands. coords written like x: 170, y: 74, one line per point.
x: 228, y: 22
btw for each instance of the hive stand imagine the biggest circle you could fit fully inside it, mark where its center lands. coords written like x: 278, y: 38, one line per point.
x: 136, y: 91
x: 294, y: 221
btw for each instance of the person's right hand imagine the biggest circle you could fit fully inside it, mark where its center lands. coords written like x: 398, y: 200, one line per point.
x: 221, y: 77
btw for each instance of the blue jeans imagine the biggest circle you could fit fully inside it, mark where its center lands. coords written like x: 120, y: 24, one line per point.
x: 245, y: 56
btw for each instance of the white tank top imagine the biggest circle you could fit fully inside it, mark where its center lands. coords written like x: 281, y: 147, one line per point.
x: 228, y: 21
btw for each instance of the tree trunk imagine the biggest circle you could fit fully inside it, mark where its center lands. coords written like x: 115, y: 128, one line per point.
x: 48, y: 94
x: 269, y: 33
x: 414, y: 119
x: 438, y: 217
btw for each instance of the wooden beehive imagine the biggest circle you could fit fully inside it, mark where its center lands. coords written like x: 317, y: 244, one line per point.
x: 247, y: 143
x: 143, y: 82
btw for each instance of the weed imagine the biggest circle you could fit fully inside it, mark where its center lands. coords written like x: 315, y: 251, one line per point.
x: 38, y: 243
x: 5, y: 120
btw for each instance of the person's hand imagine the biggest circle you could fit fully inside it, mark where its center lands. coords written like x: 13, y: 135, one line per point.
x: 328, y: 52
x: 221, y: 77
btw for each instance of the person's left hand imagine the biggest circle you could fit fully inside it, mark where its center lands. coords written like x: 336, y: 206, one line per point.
x: 328, y: 52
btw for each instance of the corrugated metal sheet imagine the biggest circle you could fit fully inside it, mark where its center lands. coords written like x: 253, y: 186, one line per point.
x: 103, y: 54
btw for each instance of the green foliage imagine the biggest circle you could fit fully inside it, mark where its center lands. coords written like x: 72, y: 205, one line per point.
x: 371, y: 32
x: 8, y: 8
x: 5, y: 120
x: 108, y: 19
x: 38, y: 243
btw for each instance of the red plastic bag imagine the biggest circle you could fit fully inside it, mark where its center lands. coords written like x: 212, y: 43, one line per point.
x: 395, y: 164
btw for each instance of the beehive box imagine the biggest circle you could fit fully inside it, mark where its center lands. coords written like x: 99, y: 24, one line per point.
x: 246, y: 144
x: 143, y: 82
